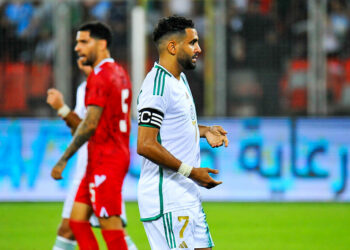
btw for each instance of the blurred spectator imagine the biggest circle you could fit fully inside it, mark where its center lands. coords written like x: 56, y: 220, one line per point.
x: 337, y: 27
x: 45, y: 48
x: 245, y: 93
x: 263, y: 38
x: 96, y: 9
x: 181, y: 7
x: 118, y: 20
x: 240, y: 5
x: 255, y: 25
x: 19, y: 14
x: 15, y: 20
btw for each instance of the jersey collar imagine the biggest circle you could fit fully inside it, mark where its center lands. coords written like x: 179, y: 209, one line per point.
x: 98, y: 66
x: 157, y: 65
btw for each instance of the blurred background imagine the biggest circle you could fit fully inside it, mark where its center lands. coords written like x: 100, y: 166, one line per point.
x: 260, y: 57
x: 274, y: 73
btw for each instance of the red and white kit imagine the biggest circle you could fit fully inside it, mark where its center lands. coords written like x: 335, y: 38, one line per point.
x: 109, y: 87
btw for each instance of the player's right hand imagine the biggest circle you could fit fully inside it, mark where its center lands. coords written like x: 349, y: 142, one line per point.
x: 54, y: 98
x: 57, y: 170
x: 202, y: 178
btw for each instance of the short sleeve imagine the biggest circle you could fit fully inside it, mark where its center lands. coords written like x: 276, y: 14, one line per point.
x: 96, y: 92
x: 153, y: 101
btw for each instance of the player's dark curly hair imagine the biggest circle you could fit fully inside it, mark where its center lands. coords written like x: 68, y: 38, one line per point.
x: 169, y: 25
x: 98, y: 30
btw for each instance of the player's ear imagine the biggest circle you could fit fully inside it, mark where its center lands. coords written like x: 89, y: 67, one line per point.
x: 102, y: 44
x: 171, y: 47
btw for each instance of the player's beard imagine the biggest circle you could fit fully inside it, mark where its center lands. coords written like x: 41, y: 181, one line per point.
x: 185, y: 61
x: 90, y: 60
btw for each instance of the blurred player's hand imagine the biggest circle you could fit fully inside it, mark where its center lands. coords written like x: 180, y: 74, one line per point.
x: 57, y: 170
x: 202, y: 178
x: 55, y: 98
x: 86, y: 69
x: 216, y: 136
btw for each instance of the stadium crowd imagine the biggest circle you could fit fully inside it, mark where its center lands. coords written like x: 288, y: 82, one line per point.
x: 266, y: 44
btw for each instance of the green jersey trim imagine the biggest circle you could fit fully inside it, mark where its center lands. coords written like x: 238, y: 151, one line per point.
x: 155, y: 82
x: 166, y: 232
x: 210, y: 241
x: 159, y: 80
x: 170, y: 217
x: 162, y: 91
x: 138, y: 97
x: 168, y: 228
x: 151, y: 218
x: 187, y: 86
x: 147, y: 125
x: 160, y: 186
x: 163, y: 69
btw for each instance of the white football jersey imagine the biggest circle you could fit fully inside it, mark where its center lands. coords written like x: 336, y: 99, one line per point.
x: 80, y: 110
x: 81, y: 162
x: 166, y: 103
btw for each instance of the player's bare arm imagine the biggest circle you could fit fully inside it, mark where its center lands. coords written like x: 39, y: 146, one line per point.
x: 215, y: 135
x: 149, y: 147
x: 72, y: 120
x: 84, y: 131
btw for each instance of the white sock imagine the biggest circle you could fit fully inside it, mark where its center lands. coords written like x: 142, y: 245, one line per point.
x: 130, y: 243
x: 62, y: 243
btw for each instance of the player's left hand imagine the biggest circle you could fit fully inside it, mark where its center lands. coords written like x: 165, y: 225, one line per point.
x: 55, y: 98
x: 216, y: 136
x: 57, y: 170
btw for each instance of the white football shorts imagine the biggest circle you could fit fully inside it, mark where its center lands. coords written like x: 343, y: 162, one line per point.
x: 185, y: 228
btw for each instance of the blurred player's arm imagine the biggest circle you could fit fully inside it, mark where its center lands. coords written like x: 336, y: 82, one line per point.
x: 215, y: 135
x: 56, y: 101
x: 83, y: 133
x: 149, y: 147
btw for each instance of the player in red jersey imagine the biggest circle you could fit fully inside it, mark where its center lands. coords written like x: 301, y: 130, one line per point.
x: 106, y: 127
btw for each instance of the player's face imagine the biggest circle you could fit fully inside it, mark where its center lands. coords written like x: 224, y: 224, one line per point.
x: 189, y: 50
x: 86, y: 48
x: 86, y: 69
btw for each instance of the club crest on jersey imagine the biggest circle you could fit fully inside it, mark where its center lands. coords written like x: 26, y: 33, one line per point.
x: 99, y: 179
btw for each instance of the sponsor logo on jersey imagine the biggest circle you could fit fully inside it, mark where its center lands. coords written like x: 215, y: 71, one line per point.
x: 99, y: 179
x: 183, y: 245
x: 103, y: 212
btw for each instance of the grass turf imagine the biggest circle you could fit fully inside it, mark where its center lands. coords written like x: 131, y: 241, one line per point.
x: 294, y: 226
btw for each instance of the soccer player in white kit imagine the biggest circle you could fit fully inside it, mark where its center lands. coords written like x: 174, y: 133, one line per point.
x: 65, y: 238
x: 168, y: 139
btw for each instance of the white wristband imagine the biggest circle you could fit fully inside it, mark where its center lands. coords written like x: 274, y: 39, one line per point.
x: 185, y: 169
x: 63, y: 111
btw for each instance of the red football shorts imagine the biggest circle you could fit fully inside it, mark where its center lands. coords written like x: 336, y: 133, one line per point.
x: 101, y: 188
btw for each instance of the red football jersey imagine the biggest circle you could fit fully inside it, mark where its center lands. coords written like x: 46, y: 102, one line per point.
x: 108, y: 86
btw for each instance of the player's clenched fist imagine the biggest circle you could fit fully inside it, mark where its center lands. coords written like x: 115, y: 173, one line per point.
x: 201, y: 177
x: 57, y: 170
x: 55, y: 98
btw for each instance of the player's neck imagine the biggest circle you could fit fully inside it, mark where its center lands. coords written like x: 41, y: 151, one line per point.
x: 101, y: 57
x: 171, y: 65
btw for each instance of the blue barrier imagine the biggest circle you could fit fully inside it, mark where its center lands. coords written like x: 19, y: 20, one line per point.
x: 267, y: 160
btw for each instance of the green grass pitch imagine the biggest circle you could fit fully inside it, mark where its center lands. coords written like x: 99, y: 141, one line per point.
x: 280, y: 226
